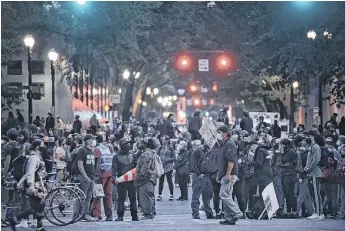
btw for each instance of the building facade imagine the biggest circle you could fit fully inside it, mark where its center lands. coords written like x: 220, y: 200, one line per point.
x: 16, y: 74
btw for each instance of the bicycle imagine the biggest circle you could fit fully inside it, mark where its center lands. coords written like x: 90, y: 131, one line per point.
x: 11, y: 201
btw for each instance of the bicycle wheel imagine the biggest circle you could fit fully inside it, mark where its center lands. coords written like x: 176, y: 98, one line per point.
x: 11, y: 208
x: 82, y: 196
x: 63, y: 206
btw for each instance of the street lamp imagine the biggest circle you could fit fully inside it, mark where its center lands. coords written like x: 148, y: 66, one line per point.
x: 160, y: 99
x: 144, y: 103
x: 53, y: 57
x: 169, y: 104
x: 311, y: 34
x: 170, y: 98
x: 81, y: 2
x: 29, y: 42
x: 137, y: 75
x: 126, y: 74
x: 295, y: 84
x: 174, y: 97
x: 155, y: 91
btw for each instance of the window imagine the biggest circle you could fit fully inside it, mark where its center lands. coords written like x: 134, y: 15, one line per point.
x: 38, y: 88
x: 37, y: 67
x: 15, y: 67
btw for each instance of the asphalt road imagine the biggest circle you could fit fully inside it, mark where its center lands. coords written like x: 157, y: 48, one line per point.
x: 176, y: 216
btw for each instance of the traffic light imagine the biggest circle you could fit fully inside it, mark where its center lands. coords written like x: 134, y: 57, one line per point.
x: 215, y: 87
x: 223, y: 63
x: 194, y: 87
x: 185, y: 63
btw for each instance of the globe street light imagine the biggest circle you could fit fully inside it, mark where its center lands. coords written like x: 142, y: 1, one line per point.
x: 311, y: 34
x: 29, y: 42
x: 295, y: 84
x: 160, y: 99
x: 81, y: 2
x: 137, y: 75
x: 174, y: 97
x: 155, y: 91
x: 53, y: 57
x: 126, y: 74
x: 144, y: 103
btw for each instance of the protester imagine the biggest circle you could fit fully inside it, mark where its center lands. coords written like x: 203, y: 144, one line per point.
x: 167, y: 155
x: 169, y: 129
x: 182, y: 168
x: 104, y: 157
x: 194, y: 125
x: 50, y: 122
x: 61, y: 161
x: 94, y: 124
x: 247, y: 122
x: 77, y: 125
x: 86, y: 172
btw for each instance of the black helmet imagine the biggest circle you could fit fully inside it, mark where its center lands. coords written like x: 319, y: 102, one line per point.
x: 12, y: 134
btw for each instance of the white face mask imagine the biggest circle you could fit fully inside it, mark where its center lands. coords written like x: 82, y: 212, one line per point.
x: 219, y: 136
x: 93, y: 143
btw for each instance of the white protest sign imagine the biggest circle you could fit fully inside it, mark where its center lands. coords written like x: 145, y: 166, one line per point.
x: 270, y: 200
x: 115, y: 99
x: 207, y: 135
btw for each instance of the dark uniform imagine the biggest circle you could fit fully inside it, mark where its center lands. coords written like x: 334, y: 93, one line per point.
x: 122, y: 163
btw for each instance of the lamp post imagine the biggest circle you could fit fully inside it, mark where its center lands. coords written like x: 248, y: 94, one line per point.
x: 294, y: 86
x: 53, y: 57
x: 312, y: 36
x: 29, y: 42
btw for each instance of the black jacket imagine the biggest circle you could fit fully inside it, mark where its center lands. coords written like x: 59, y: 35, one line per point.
x: 288, y: 162
x: 182, y: 163
x: 277, y: 133
x: 301, y: 164
x: 50, y: 123
x: 195, y: 124
x: 196, y: 158
x: 262, y: 166
x: 122, y: 163
x: 77, y: 125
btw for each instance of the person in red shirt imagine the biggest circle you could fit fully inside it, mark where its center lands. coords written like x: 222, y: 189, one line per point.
x: 103, y: 159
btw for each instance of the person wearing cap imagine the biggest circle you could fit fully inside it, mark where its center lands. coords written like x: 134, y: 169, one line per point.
x: 314, y: 173
x: 103, y: 160
x: 194, y: 125
x: 34, y: 187
x: 86, y: 172
x: 227, y: 175
x: 247, y: 122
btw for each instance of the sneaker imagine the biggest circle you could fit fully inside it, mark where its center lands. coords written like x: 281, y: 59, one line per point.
x: 41, y: 229
x: 180, y: 199
x: 24, y: 224
x: 202, y: 208
x: 119, y: 219
x: 226, y: 222
x: 109, y: 219
x: 242, y: 216
x: 197, y: 217
x: 88, y: 218
x: 313, y: 217
x: 33, y: 224
x: 143, y: 218
x: 159, y: 198
x: 171, y: 198
x: 322, y: 217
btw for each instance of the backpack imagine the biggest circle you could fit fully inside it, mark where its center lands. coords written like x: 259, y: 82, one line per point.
x: 209, y: 164
x: 74, y: 162
x: 324, y: 157
x: 18, y: 167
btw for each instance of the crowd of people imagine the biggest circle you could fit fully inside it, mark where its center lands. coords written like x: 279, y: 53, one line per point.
x: 306, y: 168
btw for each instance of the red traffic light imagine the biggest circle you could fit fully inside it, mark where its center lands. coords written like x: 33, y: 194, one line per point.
x: 224, y: 63
x: 185, y: 63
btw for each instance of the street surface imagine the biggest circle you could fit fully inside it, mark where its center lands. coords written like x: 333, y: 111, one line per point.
x: 176, y: 216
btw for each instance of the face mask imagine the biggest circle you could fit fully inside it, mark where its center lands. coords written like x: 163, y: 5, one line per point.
x: 309, y: 141
x: 302, y: 149
x: 329, y: 147
x: 219, y: 136
x: 338, y: 143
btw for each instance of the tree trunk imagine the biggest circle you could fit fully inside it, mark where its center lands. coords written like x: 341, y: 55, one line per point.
x: 128, y: 98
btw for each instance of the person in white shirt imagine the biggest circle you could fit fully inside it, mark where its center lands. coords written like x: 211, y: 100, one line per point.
x: 60, y: 158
